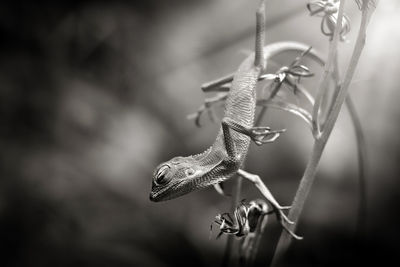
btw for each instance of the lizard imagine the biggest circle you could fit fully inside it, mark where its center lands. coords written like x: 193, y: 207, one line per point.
x: 223, y: 159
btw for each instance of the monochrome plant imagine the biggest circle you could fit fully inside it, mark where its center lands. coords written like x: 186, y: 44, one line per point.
x: 181, y: 175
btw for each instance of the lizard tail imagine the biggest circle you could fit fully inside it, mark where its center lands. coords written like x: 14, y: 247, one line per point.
x: 260, y: 36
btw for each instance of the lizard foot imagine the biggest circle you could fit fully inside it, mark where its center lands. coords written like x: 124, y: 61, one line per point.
x: 297, y: 237
x: 263, y: 135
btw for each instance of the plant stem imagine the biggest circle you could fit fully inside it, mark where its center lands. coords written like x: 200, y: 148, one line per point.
x: 330, y: 123
x: 228, y: 255
x: 301, y: 195
x: 324, y: 81
x: 361, y: 154
x: 362, y: 181
x: 320, y: 143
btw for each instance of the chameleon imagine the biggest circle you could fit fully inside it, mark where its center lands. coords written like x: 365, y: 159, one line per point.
x: 224, y: 158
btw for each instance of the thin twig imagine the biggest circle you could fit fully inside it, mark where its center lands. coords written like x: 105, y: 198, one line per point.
x: 254, y: 243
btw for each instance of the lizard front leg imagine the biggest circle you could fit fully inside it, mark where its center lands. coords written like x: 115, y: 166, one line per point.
x: 260, y: 135
x: 230, y: 145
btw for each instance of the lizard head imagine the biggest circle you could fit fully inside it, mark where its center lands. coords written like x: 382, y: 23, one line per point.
x: 175, y: 178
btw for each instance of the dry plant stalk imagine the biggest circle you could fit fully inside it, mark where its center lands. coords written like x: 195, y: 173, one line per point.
x: 322, y: 137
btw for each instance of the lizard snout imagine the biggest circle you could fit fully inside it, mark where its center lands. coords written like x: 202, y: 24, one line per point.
x: 152, y: 197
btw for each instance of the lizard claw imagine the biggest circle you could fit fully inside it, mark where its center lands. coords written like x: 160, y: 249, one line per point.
x: 279, y: 213
x: 263, y: 135
x: 291, y: 232
x: 283, y: 219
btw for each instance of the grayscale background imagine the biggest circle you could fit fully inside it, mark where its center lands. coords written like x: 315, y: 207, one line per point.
x: 94, y: 95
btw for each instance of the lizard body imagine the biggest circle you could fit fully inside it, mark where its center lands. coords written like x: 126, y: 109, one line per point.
x: 221, y: 161
x: 182, y: 175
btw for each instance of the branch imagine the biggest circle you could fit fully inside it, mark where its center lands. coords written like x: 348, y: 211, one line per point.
x: 320, y: 143
x: 324, y: 81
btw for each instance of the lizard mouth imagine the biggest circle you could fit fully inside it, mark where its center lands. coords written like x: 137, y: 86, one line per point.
x: 162, y: 195
x: 153, y: 196
x: 159, y: 196
x: 156, y: 196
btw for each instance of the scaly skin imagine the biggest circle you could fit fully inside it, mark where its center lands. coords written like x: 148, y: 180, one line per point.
x: 182, y: 175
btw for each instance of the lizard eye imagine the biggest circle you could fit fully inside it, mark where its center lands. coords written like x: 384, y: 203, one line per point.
x: 189, y: 172
x: 161, y: 176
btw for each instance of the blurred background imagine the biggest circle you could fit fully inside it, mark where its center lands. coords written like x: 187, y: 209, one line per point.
x: 94, y: 95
